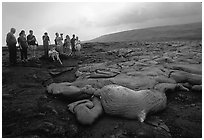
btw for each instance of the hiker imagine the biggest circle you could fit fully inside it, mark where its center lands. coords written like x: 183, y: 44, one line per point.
x: 23, y: 44
x: 67, y: 45
x: 11, y: 43
x: 32, y: 43
x: 73, y: 44
x: 54, y: 54
x: 58, y: 42
x: 46, y: 42
x: 77, y: 44
x: 61, y: 36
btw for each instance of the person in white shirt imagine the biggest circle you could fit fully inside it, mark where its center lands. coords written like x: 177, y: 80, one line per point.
x: 77, y: 45
x: 54, y: 54
x: 58, y: 42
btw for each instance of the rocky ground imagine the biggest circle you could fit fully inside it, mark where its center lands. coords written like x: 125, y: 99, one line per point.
x: 28, y: 111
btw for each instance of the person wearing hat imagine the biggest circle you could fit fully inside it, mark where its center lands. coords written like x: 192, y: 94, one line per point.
x: 32, y: 42
x: 46, y: 42
x: 11, y: 43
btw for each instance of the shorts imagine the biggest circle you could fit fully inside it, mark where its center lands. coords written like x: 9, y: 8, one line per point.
x: 33, y: 47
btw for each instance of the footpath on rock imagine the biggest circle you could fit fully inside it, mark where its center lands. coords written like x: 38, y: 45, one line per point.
x: 169, y: 74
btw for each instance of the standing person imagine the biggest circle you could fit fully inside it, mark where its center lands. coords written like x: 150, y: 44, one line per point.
x: 67, y: 45
x: 58, y: 42
x: 73, y: 44
x: 11, y: 43
x: 32, y: 42
x: 78, y: 44
x: 61, y: 36
x: 23, y: 45
x: 46, y: 41
x: 61, y: 43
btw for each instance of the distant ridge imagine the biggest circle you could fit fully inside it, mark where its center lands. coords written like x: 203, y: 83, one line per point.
x: 192, y: 31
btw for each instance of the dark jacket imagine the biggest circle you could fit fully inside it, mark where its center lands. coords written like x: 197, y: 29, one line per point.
x: 31, y: 40
x: 10, y: 39
x: 73, y: 42
x: 23, y: 42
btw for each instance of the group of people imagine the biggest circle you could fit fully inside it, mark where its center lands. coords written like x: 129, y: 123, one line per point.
x: 23, y: 42
x: 68, y: 47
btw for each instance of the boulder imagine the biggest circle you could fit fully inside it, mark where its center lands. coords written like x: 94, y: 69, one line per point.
x: 165, y: 87
x: 191, y: 68
x: 197, y: 88
x: 124, y: 102
x: 183, y: 77
x: 86, y: 111
x: 65, y: 88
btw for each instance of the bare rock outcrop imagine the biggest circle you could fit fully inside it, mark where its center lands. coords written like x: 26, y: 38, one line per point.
x: 86, y: 111
x: 124, y: 102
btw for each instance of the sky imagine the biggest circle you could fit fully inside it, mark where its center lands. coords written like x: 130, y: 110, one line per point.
x: 89, y: 20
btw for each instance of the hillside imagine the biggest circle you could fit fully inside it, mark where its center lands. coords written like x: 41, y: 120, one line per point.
x: 191, y: 31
